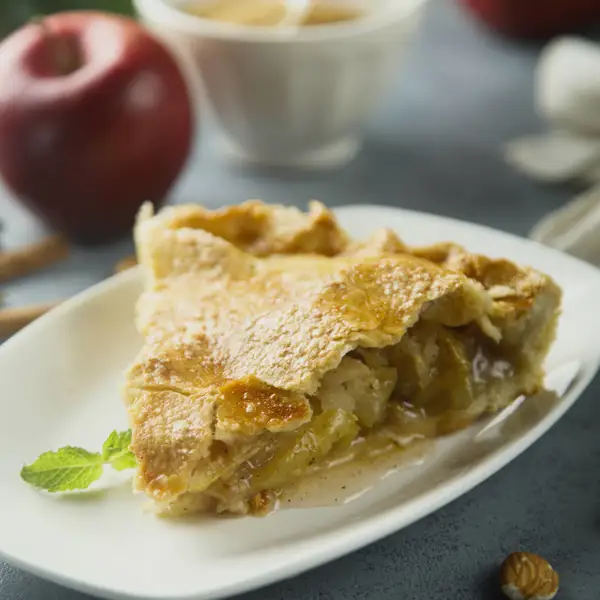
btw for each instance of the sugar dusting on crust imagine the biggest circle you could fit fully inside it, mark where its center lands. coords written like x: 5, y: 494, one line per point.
x: 247, y: 308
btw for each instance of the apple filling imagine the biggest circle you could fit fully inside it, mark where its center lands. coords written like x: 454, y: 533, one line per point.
x: 276, y: 347
x: 437, y: 380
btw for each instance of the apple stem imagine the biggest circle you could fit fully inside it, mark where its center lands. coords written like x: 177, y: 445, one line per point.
x: 61, y: 51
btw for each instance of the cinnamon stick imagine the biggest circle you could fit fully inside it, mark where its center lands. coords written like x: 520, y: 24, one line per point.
x: 14, y: 319
x: 125, y: 264
x: 21, y: 261
x: 16, y: 263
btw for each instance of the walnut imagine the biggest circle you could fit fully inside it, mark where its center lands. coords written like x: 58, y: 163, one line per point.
x: 527, y: 576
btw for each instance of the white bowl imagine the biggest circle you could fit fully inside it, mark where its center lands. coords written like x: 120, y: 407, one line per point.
x: 285, y: 96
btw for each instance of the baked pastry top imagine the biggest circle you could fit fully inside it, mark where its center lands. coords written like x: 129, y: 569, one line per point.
x: 275, y: 344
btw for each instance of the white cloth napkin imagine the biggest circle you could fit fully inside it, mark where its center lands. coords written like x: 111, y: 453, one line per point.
x: 568, y: 97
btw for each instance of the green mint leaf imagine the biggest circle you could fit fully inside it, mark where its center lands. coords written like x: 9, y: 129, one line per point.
x: 71, y: 468
x: 116, y: 452
x: 66, y: 469
x: 126, y: 461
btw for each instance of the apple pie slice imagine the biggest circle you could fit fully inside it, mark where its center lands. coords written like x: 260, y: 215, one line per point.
x: 276, y: 345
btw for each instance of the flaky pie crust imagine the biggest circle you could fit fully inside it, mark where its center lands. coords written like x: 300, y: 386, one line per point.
x: 247, y: 308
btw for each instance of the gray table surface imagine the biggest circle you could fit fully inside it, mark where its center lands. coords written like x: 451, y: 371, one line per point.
x: 434, y: 146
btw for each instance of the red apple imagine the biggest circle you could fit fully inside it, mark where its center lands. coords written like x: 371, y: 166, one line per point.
x: 95, y: 118
x: 536, y: 18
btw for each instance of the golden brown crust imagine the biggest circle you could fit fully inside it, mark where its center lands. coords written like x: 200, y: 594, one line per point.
x: 248, y: 307
x: 260, y: 229
x: 379, y: 243
x: 249, y: 406
x: 513, y: 288
x: 172, y: 432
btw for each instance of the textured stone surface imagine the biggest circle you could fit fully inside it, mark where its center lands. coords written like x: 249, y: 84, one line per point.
x: 434, y: 146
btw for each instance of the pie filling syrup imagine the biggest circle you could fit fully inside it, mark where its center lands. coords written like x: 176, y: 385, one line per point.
x: 437, y: 380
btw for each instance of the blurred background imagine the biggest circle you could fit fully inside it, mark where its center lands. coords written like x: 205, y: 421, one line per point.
x: 461, y: 90
x: 461, y: 94
x: 13, y: 13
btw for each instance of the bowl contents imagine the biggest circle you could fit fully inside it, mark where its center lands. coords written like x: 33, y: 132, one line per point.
x: 266, y: 13
x: 278, y: 348
x: 95, y: 118
x: 527, y: 576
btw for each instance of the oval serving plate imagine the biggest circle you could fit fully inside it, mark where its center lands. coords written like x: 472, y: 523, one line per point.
x: 61, y: 379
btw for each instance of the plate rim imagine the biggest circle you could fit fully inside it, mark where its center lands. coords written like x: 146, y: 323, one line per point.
x: 349, y: 538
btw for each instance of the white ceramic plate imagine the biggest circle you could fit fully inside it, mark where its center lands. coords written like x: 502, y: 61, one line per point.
x: 61, y: 380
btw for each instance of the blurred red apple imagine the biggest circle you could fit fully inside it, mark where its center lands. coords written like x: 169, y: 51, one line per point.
x: 536, y: 18
x: 95, y: 118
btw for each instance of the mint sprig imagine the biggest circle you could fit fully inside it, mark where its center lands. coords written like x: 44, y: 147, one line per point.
x: 67, y: 469
x: 116, y: 452
x: 71, y: 468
